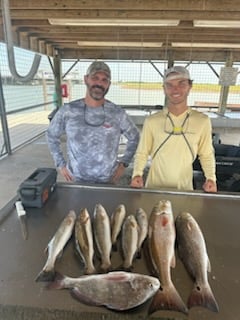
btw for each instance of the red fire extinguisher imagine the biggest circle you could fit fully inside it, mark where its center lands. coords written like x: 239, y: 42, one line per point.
x: 64, y: 90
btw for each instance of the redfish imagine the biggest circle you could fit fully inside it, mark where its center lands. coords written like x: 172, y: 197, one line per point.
x: 193, y: 253
x: 161, y: 245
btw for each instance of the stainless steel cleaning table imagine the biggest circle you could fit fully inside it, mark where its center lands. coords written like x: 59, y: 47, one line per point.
x: 21, y: 260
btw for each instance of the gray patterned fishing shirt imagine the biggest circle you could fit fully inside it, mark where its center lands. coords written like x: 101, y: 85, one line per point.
x: 92, y: 139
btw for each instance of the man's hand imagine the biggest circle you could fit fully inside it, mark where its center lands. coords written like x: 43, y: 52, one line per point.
x: 66, y: 174
x: 137, y: 182
x: 118, y: 173
x: 210, y: 186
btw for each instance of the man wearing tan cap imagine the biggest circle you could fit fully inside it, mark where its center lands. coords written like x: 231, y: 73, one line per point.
x: 93, y: 126
x: 172, y: 139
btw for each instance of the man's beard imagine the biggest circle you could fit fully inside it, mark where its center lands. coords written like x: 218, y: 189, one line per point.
x: 97, y: 95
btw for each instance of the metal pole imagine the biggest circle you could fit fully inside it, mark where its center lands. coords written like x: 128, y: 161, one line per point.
x: 224, y: 89
x: 58, y: 79
x: 6, y: 136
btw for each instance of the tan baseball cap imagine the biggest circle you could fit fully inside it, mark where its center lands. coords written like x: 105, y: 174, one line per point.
x: 176, y: 72
x: 99, y: 66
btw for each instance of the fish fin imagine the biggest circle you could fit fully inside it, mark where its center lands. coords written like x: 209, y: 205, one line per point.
x: 76, y: 294
x: 45, y: 276
x: 167, y: 299
x: 203, y: 296
x: 57, y: 282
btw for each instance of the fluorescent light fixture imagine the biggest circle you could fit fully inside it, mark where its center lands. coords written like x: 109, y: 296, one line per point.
x: 216, y: 23
x: 205, y: 45
x: 113, y: 22
x: 119, y: 44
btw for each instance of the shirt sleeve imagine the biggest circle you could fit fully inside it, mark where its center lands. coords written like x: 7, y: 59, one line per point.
x: 144, y: 149
x: 131, y: 132
x: 206, y: 152
x: 54, y: 132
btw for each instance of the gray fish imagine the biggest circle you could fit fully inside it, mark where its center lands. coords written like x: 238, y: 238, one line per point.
x: 193, y: 253
x: 115, y: 290
x: 117, y: 219
x: 102, y: 233
x: 142, y: 220
x: 56, y: 245
x: 84, y: 240
x: 129, y: 241
x: 161, y: 245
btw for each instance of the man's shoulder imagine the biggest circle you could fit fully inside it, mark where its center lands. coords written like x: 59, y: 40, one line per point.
x: 156, y: 115
x: 199, y: 114
x: 111, y: 104
x: 74, y: 103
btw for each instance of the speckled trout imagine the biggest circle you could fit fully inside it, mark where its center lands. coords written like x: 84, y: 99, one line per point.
x: 56, y: 245
x: 84, y: 240
x: 142, y: 221
x: 118, y: 290
x: 193, y: 253
x: 102, y: 235
x: 117, y: 219
x: 161, y: 245
x: 129, y: 241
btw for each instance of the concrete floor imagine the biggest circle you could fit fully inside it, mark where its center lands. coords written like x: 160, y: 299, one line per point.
x: 21, y: 164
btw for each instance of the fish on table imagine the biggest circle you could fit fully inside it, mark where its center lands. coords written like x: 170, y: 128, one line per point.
x: 56, y: 246
x: 161, y: 249
x: 129, y: 241
x: 102, y: 236
x: 117, y: 290
x: 192, y: 251
x: 142, y: 221
x: 84, y: 240
x: 116, y: 220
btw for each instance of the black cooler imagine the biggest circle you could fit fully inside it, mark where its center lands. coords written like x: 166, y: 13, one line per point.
x: 37, y: 188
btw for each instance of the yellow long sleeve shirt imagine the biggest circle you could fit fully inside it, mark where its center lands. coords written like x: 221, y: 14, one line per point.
x: 172, y: 155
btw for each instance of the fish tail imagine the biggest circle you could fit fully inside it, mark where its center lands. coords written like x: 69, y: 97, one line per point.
x: 105, y: 267
x: 58, y: 282
x: 90, y: 270
x: 167, y: 299
x: 203, y: 296
x: 45, y: 276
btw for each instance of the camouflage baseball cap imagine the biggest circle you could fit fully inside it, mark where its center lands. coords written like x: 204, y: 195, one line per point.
x: 176, y: 72
x: 99, y: 66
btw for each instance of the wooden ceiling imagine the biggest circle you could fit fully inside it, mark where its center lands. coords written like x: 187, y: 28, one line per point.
x: 32, y: 30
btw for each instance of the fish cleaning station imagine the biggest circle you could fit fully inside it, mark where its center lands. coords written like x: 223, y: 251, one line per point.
x: 105, y: 251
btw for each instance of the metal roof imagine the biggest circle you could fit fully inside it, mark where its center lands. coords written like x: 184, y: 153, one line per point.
x: 127, y: 29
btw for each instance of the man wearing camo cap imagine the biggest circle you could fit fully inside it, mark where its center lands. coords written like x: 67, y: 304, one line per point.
x: 93, y: 126
x: 173, y: 138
